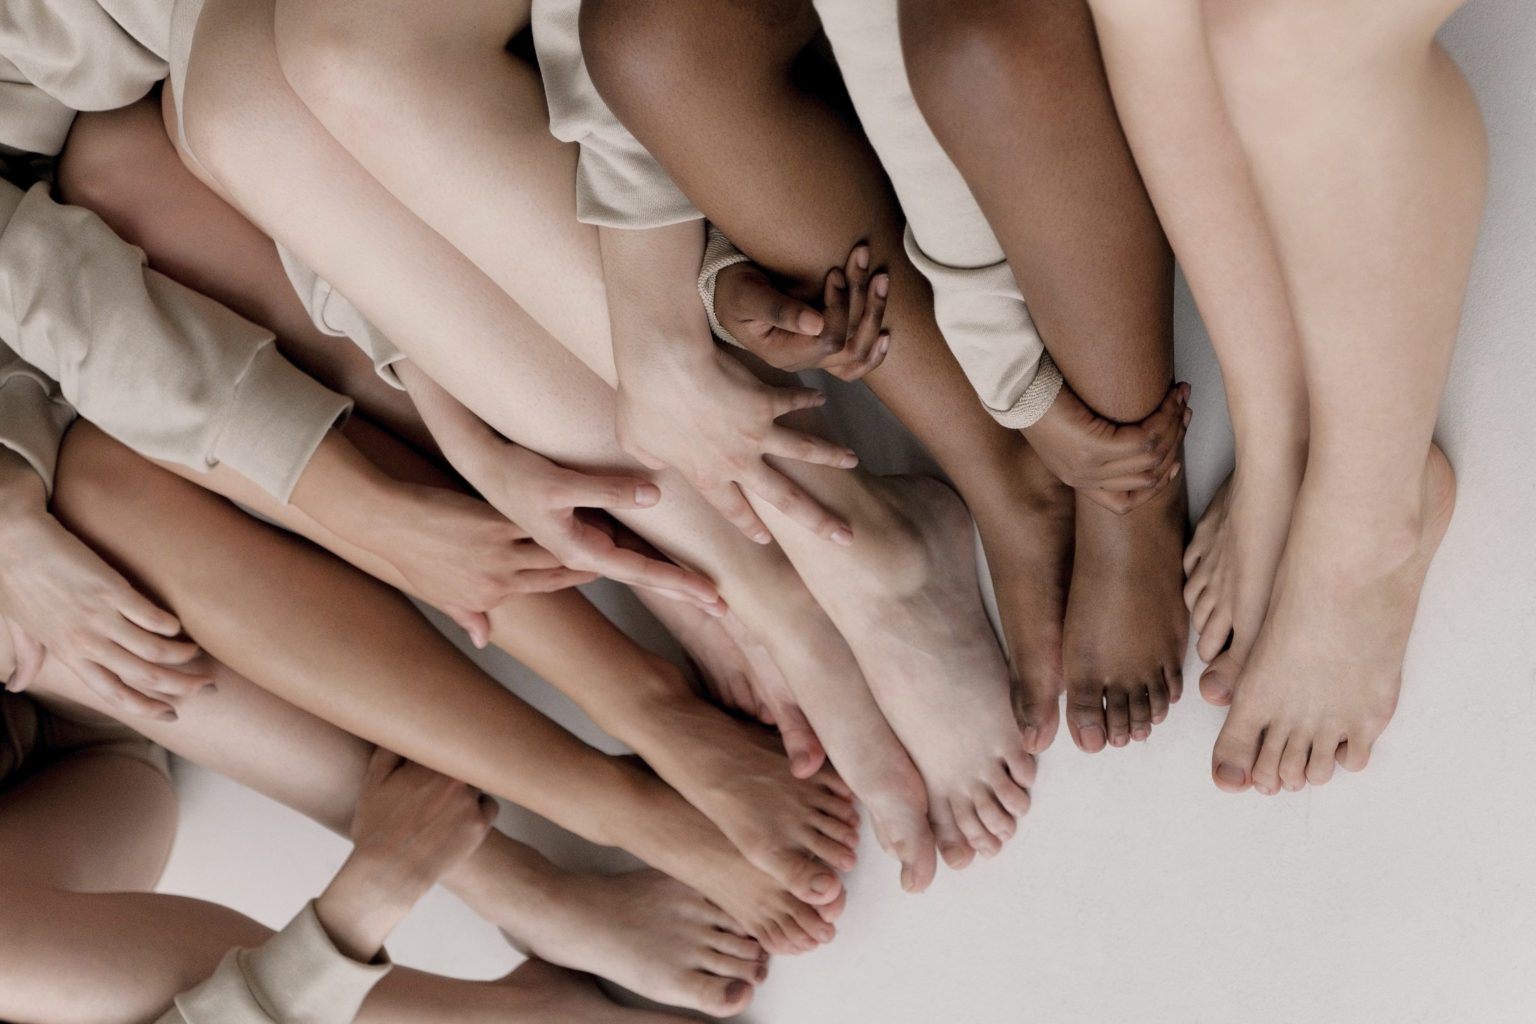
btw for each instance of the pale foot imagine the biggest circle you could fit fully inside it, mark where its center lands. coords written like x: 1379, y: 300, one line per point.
x: 909, y: 603
x: 801, y: 832
x: 1231, y: 561
x: 828, y: 684
x: 1324, y: 676
x: 642, y: 930
x: 545, y: 994
x: 1127, y: 627
x: 738, y: 673
x: 1027, y: 534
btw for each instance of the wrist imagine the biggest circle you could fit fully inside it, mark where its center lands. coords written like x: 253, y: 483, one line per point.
x: 363, y: 905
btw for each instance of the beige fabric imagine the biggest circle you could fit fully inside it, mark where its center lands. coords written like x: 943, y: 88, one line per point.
x: 618, y: 183
x: 60, y: 56
x: 33, y: 414
x: 719, y: 252
x: 976, y: 300
x: 297, y: 977
x: 169, y: 372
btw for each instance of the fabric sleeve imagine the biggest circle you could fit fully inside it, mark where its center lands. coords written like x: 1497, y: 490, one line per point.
x: 618, y: 183
x: 719, y: 252
x: 297, y: 977
x: 33, y: 415
x: 167, y: 371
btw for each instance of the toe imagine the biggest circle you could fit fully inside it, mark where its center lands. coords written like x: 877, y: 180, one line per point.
x: 1014, y: 797
x: 1200, y: 614
x: 805, y: 876
x: 732, y: 945
x: 1293, y: 763
x: 1157, y: 699
x: 976, y: 834
x: 1117, y: 712
x: 1321, y: 762
x: 830, y: 912
x: 1214, y: 634
x: 1021, y: 768
x: 1140, y: 704
x: 720, y: 997
x: 957, y: 853
x: 806, y: 754
x: 1237, y: 747
x: 837, y: 808
x: 815, y: 928
x: 1218, y: 679
x: 831, y: 850
x: 1353, y: 754
x: 1173, y: 679
x: 1266, y: 768
x: 995, y: 817
x: 731, y: 967
x: 1195, y: 582
x: 1085, y: 718
x: 1039, y: 717
x: 902, y: 829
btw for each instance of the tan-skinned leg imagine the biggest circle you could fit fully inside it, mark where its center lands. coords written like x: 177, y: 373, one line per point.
x: 81, y: 949
x: 1350, y: 114
x: 408, y: 692
x: 471, y: 337
x: 775, y: 819
x: 1158, y: 60
x: 642, y: 929
x: 1017, y: 97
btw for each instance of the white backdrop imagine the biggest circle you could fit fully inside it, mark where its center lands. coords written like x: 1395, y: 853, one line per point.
x: 1135, y: 889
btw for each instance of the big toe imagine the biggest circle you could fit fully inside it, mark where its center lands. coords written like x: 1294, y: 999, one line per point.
x: 808, y: 878
x: 1039, y: 716
x: 1236, y: 751
x: 720, y: 997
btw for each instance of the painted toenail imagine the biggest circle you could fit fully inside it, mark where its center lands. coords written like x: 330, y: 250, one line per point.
x: 1230, y: 774
x: 822, y: 884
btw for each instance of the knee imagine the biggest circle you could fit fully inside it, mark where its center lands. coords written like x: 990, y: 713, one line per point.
x: 1276, y: 45
x: 996, y: 58
x: 91, y: 470
x: 333, y: 60
x: 103, y: 164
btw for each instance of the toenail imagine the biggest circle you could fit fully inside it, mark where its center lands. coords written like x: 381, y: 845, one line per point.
x: 843, y: 537
x: 736, y: 991
x: 1230, y: 774
x: 822, y: 884
x: 1091, y: 735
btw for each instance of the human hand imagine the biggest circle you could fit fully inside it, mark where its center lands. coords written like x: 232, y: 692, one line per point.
x: 461, y: 555
x: 709, y: 417
x: 845, y: 338
x: 544, y: 499
x: 59, y: 598
x: 1118, y: 466
x: 411, y: 827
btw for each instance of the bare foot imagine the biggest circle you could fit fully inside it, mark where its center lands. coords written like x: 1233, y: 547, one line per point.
x: 1324, y: 676
x: 801, y: 832
x: 1027, y: 535
x: 911, y: 610
x: 828, y: 684
x: 662, y: 829
x: 739, y: 674
x: 1127, y: 627
x: 545, y: 994
x: 1231, y: 561
x: 642, y: 930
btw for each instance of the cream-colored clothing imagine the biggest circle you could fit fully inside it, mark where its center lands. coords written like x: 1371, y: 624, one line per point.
x: 618, y: 183
x: 297, y: 977
x: 976, y: 300
x: 169, y: 372
x: 165, y: 370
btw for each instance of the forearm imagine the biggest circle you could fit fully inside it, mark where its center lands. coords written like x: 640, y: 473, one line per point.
x: 653, y: 301
x: 351, y: 499
x: 364, y: 903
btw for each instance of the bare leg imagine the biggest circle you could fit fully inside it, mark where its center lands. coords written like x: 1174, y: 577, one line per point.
x: 1159, y: 64
x: 642, y: 929
x: 775, y: 819
x: 1351, y: 114
x: 399, y: 683
x: 499, y: 361
x: 74, y: 952
x: 1017, y: 97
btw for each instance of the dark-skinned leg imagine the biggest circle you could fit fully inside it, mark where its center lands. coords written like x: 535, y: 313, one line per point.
x: 1018, y: 97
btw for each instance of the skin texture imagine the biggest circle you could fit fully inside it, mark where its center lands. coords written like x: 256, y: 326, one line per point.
x: 1306, y: 276
x: 809, y: 825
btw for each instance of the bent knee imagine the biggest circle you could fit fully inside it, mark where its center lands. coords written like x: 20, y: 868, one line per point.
x: 103, y: 163
x: 1259, y: 38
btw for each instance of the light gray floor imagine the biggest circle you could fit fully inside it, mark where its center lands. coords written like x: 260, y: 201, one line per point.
x: 1135, y: 889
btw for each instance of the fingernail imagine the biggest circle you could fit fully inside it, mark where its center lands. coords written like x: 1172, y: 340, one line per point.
x: 763, y: 537
x: 1231, y: 774
x: 809, y: 322
x: 822, y: 884
x: 849, y: 460
x: 885, y: 344
x: 798, y: 764
x: 842, y: 536
x: 882, y: 286
x: 861, y: 258
x: 1177, y: 466
x: 647, y: 495
x: 839, y: 281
